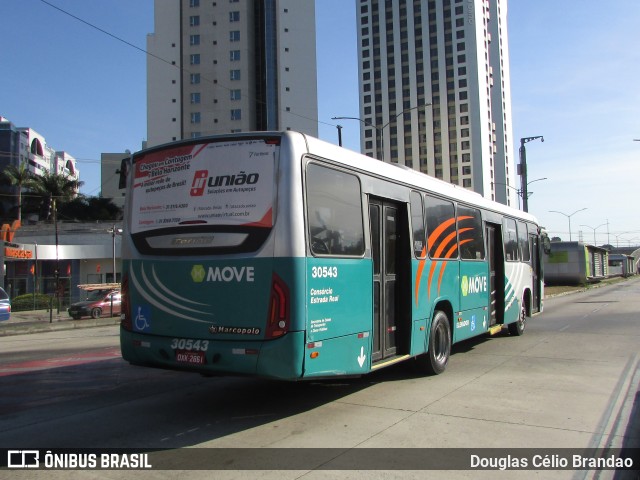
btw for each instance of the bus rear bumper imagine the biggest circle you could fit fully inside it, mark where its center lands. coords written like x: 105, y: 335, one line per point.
x: 281, y: 358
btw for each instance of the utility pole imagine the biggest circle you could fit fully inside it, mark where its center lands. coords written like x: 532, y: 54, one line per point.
x: 522, y: 170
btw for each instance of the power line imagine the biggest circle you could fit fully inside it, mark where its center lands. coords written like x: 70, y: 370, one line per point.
x: 182, y: 69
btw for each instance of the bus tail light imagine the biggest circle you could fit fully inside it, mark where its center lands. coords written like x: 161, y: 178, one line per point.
x: 278, y: 319
x: 125, y: 311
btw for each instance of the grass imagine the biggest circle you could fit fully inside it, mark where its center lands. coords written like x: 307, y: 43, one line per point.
x: 553, y: 290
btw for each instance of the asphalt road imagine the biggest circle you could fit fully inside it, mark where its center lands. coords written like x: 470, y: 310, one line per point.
x: 570, y: 382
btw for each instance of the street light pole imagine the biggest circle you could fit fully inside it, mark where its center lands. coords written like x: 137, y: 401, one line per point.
x: 518, y: 191
x: 114, y: 231
x: 594, y: 231
x: 379, y: 130
x: 569, y: 217
x: 522, y: 169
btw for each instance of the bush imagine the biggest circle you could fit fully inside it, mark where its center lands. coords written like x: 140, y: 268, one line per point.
x: 27, y: 301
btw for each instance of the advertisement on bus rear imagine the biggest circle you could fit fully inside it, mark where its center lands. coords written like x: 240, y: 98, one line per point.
x: 226, y: 183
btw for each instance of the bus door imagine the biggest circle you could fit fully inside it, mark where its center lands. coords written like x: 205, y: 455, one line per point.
x: 391, y: 278
x: 495, y: 256
x: 536, y: 269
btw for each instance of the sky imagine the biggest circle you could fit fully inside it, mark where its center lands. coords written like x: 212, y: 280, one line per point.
x: 575, y: 79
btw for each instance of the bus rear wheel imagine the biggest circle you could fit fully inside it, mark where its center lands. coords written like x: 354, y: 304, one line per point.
x: 435, y: 361
x: 517, y: 328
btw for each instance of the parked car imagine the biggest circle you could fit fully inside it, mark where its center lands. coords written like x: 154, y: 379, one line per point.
x: 5, y: 306
x: 98, y: 304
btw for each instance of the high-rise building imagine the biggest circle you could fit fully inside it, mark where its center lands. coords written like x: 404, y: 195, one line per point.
x: 445, y: 64
x: 231, y: 66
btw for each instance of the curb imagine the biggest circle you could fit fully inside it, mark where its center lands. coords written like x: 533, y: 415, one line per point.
x: 23, y: 328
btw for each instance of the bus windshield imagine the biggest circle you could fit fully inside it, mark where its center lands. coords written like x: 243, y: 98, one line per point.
x: 179, y: 194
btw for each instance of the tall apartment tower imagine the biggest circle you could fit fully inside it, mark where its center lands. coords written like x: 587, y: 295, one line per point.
x: 231, y: 66
x: 453, y: 55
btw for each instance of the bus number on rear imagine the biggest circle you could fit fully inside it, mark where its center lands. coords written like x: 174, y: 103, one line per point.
x: 324, y: 272
x: 189, y: 345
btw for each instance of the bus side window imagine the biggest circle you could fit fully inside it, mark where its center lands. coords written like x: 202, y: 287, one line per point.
x: 417, y: 225
x: 523, y: 240
x: 470, y: 233
x: 441, y: 226
x: 334, y: 213
x: 510, y: 239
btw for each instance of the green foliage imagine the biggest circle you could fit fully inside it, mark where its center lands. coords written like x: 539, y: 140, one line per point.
x: 26, y: 302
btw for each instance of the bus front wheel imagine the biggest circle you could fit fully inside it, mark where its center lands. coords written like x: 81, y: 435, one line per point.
x: 435, y: 361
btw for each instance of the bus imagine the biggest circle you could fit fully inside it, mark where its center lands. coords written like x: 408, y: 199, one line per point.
x: 279, y: 255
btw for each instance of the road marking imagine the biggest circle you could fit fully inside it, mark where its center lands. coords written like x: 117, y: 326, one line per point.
x: 57, y: 362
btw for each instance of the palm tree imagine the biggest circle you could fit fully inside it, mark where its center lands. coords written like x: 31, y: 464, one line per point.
x: 56, y: 187
x: 20, y: 177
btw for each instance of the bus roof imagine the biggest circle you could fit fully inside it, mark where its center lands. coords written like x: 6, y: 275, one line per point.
x: 358, y: 161
x: 414, y: 178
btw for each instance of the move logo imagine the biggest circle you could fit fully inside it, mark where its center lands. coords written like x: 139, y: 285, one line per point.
x: 222, y: 274
x: 477, y: 284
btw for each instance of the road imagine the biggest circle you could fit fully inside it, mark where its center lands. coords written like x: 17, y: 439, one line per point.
x: 569, y: 382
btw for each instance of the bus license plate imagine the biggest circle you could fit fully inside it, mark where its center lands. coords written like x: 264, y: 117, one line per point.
x: 190, y: 358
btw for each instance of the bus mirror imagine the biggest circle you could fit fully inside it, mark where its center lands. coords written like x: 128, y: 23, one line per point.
x: 546, y: 244
x: 124, y: 171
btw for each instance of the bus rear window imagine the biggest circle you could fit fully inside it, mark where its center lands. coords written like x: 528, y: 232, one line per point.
x: 334, y: 205
x: 197, y: 196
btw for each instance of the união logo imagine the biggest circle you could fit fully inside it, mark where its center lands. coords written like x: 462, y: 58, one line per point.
x: 198, y: 273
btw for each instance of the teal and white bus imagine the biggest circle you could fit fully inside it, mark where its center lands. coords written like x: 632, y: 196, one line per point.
x: 279, y: 255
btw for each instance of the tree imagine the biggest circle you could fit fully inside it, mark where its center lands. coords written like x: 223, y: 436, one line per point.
x: 86, y: 209
x: 20, y: 177
x: 54, y: 186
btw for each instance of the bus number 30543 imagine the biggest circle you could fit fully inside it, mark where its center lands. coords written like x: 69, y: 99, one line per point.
x: 324, y: 272
x: 191, y: 345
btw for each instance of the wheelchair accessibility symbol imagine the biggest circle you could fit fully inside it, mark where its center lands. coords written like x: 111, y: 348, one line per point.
x: 142, y: 319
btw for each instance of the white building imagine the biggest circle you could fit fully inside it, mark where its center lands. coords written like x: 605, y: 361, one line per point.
x: 453, y: 55
x: 230, y: 66
x: 25, y: 146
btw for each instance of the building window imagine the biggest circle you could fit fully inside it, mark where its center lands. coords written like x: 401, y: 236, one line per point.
x: 195, y: 59
x: 234, y: 55
x: 194, y: 3
x: 234, y: 16
x: 195, y: 78
x: 194, y: 20
x: 236, y: 94
x: 195, y: 117
x: 234, y: 36
x: 234, y: 75
x: 236, y: 114
x: 195, y: 98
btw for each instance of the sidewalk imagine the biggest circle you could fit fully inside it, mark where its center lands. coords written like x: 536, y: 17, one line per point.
x: 44, y: 321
